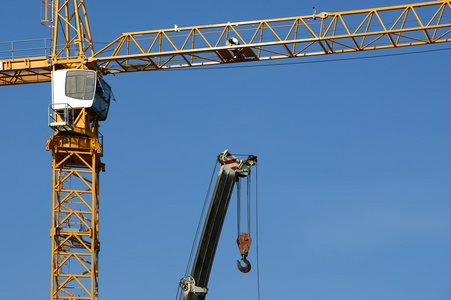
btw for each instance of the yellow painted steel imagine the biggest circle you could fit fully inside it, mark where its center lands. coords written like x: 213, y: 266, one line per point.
x: 76, y: 161
x: 76, y: 156
x: 24, y: 70
x: 75, y: 211
x: 324, y: 33
x: 71, y: 34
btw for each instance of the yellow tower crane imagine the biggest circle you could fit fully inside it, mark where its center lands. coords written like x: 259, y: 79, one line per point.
x: 81, y: 97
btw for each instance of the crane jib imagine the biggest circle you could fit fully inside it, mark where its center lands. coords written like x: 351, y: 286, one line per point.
x: 181, y: 47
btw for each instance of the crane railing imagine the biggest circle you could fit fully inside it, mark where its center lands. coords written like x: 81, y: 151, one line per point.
x: 316, y: 34
x: 24, y: 49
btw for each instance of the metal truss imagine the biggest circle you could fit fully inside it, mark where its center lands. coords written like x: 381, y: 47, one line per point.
x: 318, y: 34
x: 75, y: 221
x: 71, y: 42
x: 71, y: 35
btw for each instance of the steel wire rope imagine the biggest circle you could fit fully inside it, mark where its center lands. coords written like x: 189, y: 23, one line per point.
x: 193, y: 247
x: 238, y: 208
x: 301, y: 63
x: 248, y: 200
x: 249, y: 203
x: 238, y: 187
x: 256, y: 231
x: 249, y: 187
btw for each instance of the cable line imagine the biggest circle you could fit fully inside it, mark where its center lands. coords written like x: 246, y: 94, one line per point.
x: 248, y: 204
x: 306, y: 62
x: 238, y: 204
x: 256, y: 230
x: 199, y: 224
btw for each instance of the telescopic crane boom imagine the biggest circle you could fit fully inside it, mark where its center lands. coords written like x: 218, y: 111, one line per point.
x: 81, y: 97
x: 232, y: 169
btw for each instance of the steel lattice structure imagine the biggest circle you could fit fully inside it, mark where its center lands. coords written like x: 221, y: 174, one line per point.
x: 76, y: 155
x: 75, y: 211
x: 319, y: 34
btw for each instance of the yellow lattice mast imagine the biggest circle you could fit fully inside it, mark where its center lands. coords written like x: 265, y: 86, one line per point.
x: 80, y: 97
x: 71, y: 40
x: 75, y: 212
x: 76, y: 149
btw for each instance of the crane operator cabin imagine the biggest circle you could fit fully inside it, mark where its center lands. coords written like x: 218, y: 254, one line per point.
x: 79, y: 89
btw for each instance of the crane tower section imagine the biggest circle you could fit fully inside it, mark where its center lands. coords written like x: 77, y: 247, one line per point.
x: 76, y: 164
x: 80, y: 99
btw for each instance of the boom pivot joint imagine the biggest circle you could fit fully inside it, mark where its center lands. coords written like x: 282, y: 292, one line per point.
x: 189, y: 287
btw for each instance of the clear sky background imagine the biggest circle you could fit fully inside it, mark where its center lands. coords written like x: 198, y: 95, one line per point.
x: 354, y: 165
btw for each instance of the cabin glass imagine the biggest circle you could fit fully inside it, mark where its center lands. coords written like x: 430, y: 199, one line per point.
x: 102, y: 99
x: 80, y: 85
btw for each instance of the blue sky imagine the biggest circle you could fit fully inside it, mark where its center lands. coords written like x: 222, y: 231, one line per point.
x: 354, y: 166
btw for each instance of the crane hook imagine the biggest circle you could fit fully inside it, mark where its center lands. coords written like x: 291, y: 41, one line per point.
x: 244, y: 243
x: 247, y: 266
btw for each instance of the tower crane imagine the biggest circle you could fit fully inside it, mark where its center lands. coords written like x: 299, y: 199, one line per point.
x: 81, y: 97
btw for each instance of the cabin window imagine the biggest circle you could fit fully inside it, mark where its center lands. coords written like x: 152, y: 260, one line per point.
x: 80, y: 85
x: 104, y: 90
